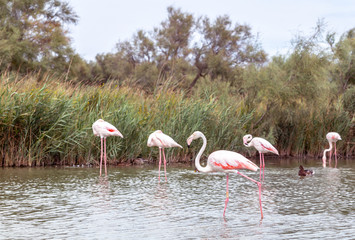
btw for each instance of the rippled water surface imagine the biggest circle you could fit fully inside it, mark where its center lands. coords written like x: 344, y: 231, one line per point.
x: 75, y: 203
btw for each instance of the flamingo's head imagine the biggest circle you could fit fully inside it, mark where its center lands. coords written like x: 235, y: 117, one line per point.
x: 194, y: 136
x: 246, y: 139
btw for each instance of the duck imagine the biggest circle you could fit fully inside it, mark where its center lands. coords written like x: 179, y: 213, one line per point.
x: 305, y: 172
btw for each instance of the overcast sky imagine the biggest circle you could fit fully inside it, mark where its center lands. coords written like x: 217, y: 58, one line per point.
x: 102, y: 23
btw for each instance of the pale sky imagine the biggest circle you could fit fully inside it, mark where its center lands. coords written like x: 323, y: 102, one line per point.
x: 103, y: 23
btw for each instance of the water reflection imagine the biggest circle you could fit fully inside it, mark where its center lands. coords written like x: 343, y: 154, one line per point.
x: 130, y: 203
x: 102, y: 191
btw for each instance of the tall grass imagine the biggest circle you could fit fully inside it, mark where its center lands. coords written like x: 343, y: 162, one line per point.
x: 44, y: 121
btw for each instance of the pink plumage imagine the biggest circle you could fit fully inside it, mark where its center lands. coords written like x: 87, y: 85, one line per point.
x: 332, y: 137
x: 224, y: 161
x: 103, y: 130
x: 262, y: 146
x: 161, y: 140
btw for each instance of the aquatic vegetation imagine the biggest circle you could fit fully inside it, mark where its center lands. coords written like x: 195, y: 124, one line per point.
x: 44, y: 121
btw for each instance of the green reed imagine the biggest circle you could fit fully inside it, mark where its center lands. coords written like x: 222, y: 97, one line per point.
x: 44, y: 121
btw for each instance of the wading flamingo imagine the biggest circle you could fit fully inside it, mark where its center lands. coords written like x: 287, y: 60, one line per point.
x: 332, y: 137
x: 262, y: 146
x: 224, y: 161
x: 161, y: 140
x: 103, y: 130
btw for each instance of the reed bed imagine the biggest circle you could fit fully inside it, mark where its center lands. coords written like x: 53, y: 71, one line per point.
x: 44, y: 121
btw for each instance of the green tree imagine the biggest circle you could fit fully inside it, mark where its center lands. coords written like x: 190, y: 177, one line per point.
x: 223, y: 48
x: 295, y: 98
x: 132, y: 64
x: 33, y: 34
x: 173, y: 37
x: 343, y: 71
x: 146, y: 51
x: 181, y: 48
x: 172, y: 41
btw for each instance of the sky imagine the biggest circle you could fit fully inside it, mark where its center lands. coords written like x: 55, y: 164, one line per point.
x: 103, y: 23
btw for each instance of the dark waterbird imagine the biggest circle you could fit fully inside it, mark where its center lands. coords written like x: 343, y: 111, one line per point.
x: 305, y: 172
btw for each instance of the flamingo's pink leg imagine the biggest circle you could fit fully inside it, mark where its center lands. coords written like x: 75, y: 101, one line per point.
x: 330, y: 158
x: 159, y: 162
x: 105, y: 156
x: 259, y: 185
x: 261, y: 163
x: 261, y: 208
x: 164, y: 165
x: 101, y: 155
x: 263, y: 166
x: 335, y: 151
x: 227, y: 198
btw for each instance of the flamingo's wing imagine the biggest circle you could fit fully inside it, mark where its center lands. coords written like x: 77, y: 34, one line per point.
x: 228, y: 160
x: 108, y: 127
x: 166, y: 140
x: 267, y: 146
x: 333, y: 136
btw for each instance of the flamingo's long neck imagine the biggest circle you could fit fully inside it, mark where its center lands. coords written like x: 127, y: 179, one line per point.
x: 250, y: 143
x: 197, y: 160
x: 327, y: 150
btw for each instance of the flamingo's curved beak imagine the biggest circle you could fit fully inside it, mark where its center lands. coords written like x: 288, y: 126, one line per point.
x: 245, y: 141
x: 189, y: 140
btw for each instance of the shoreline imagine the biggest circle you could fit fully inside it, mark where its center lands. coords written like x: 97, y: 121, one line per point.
x: 145, y: 162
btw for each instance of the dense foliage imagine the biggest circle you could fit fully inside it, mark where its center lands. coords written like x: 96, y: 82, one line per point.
x: 186, y: 74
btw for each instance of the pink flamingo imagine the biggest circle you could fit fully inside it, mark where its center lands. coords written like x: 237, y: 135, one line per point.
x: 332, y: 137
x: 262, y: 146
x: 161, y: 140
x: 224, y: 161
x: 103, y: 130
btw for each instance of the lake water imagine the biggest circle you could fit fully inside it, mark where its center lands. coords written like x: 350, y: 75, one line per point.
x: 75, y: 203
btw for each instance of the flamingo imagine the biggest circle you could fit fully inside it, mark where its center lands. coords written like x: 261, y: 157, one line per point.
x: 103, y: 130
x: 161, y: 140
x: 332, y: 137
x: 224, y: 161
x: 262, y: 146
